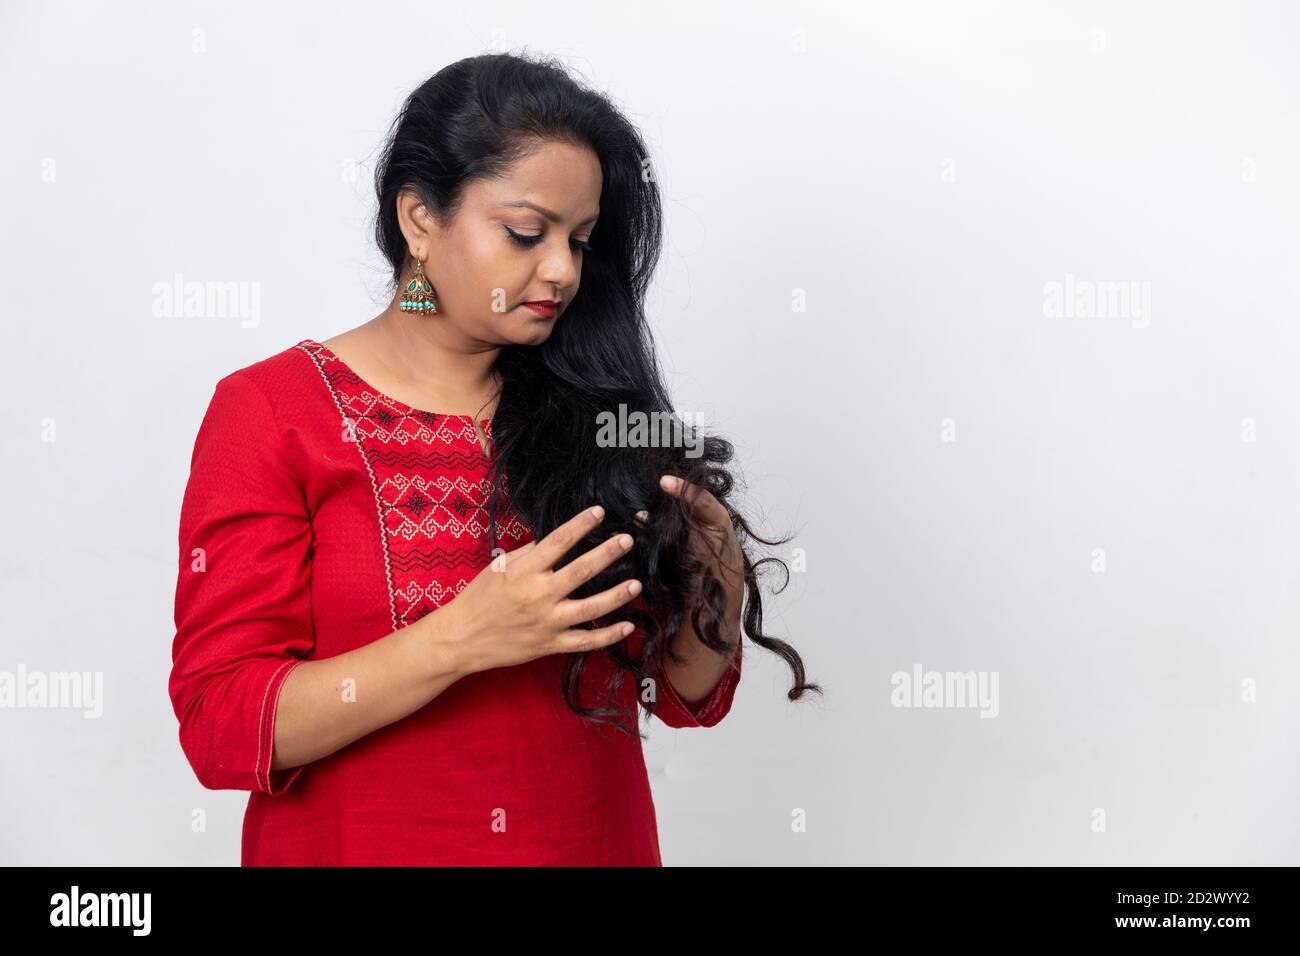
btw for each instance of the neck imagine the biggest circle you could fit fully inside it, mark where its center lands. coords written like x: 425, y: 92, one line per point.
x: 423, y: 349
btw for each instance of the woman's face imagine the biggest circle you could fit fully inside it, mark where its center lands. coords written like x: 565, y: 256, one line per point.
x: 514, y: 240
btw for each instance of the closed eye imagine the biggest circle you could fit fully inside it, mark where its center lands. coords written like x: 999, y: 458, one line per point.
x: 527, y: 241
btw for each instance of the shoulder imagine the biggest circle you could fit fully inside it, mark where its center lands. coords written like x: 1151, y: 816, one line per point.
x: 284, y: 378
x: 265, y: 410
x: 283, y: 393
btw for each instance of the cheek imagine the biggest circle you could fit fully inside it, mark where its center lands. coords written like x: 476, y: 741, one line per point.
x: 484, y: 248
x: 492, y: 273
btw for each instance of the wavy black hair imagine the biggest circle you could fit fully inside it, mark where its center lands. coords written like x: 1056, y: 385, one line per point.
x: 472, y: 120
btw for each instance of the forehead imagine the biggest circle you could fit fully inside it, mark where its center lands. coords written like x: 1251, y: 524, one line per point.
x: 557, y: 176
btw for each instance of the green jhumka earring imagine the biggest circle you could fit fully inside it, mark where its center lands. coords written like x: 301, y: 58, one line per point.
x: 418, y: 296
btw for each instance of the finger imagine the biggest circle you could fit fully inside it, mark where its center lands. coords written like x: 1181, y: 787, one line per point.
x: 592, y: 639
x: 707, y: 510
x: 643, y: 516
x: 561, y: 541
x: 578, y: 610
x: 704, y: 506
x: 502, y: 559
x: 586, y: 566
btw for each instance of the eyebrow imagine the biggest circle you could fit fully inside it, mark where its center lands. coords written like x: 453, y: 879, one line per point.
x: 553, y: 216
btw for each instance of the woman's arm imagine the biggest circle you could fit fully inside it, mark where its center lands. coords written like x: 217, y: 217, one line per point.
x: 698, y: 675
x: 513, y: 611
x: 703, y: 668
x: 326, y: 704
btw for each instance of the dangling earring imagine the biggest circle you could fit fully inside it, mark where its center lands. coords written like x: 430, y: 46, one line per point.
x: 419, y: 296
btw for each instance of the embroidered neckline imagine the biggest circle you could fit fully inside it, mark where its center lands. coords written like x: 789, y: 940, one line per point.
x: 401, y: 406
x: 430, y: 482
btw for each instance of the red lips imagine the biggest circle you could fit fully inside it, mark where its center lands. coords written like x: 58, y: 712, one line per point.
x: 544, y: 307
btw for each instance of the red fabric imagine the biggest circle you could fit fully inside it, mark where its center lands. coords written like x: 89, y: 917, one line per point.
x: 320, y: 516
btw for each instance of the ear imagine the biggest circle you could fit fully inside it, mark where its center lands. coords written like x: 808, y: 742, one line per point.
x: 417, y: 224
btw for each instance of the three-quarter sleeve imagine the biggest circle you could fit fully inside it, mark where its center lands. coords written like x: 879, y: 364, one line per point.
x: 668, y: 705
x: 676, y: 713
x: 243, y: 601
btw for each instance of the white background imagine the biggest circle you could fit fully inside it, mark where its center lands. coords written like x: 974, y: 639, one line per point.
x: 920, y: 171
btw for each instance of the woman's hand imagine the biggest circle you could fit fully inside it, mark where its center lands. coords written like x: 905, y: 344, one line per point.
x: 716, y: 544
x: 518, y: 609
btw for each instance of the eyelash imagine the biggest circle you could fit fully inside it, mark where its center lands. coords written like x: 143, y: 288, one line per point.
x: 527, y: 241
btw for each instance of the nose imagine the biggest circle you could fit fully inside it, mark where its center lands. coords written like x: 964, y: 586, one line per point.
x: 557, y: 269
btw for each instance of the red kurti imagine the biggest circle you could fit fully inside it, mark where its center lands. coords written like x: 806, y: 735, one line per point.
x: 319, y: 516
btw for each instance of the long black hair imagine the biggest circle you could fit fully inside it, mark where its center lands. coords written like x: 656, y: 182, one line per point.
x: 472, y: 120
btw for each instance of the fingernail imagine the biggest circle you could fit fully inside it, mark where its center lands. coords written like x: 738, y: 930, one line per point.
x: 598, y: 512
x: 627, y: 629
x: 625, y: 540
x: 635, y: 588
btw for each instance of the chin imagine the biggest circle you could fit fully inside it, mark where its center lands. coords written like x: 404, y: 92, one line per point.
x: 534, y: 331
x: 538, y: 335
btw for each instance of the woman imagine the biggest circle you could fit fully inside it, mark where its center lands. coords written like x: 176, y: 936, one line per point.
x: 413, y: 583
